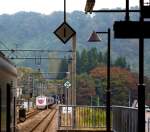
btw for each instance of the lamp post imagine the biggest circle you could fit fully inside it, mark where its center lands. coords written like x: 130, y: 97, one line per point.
x: 94, y: 38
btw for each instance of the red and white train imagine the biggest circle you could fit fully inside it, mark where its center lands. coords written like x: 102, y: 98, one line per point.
x: 43, y: 102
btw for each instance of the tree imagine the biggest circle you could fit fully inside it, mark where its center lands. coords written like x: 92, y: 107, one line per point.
x: 84, y: 61
x: 100, y: 57
x: 30, y: 81
x: 121, y: 62
x: 85, y: 89
x: 92, y: 58
x: 122, y: 82
x: 105, y: 57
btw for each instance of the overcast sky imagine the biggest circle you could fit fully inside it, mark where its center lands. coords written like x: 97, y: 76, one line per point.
x: 48, y: 6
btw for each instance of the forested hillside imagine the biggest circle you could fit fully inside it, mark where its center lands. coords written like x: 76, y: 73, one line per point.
x: 29, y: 30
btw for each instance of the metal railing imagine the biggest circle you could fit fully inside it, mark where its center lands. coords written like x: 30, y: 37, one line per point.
x: 82, y: 117
x: 147, y: 123
x: 125, y: 119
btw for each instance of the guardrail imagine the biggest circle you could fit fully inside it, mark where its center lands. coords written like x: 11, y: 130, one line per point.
x: 82, y: 117
x: 148, y: 125
x: 123, y: 119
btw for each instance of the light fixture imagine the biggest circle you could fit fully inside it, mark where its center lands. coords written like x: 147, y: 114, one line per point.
x: 94, y: 37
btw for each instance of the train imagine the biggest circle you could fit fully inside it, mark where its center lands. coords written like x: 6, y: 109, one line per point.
x: 43, y: 102
x: 8, y: 83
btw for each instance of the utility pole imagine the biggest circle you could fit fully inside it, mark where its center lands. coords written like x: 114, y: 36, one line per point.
x: 74, y: 70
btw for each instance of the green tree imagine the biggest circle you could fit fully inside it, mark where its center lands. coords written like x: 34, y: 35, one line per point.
x: 85, y: 89
x: 100, y: 57
x: 121, y: 62
x: 92, y: 58
x: 84, y: 61
x: 105, y: 57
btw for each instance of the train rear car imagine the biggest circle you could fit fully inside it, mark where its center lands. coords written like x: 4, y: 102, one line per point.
x: 8, y: 77
x: 43, y: 102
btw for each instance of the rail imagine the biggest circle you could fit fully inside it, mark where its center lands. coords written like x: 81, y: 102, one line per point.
x: 82, y: 117
x: 123, y: 119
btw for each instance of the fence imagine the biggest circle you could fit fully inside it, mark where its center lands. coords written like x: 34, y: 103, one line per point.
x: 147, y: 129
x: 82, y: 117
x: 123, y: 119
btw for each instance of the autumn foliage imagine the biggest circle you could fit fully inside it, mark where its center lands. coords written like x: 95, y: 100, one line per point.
x: 117, y: 74
x: 85, y: 89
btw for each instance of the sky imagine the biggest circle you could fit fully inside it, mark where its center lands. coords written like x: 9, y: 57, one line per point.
x: 48, y: 6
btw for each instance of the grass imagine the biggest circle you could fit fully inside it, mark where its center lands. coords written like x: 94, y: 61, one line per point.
x: 88, y: 117
x: 85, y: 117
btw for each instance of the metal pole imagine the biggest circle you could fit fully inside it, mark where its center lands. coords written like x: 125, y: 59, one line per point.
x: 67, y: 106
x: 141, y: 86
x: 67, y: 89
x: 74, y: 70
x: 66, y: 96
x: 64, y: 10
x: 141, y: 89
x: 127, y: 17
x: 108, y: 85
x: 108, y: 82
x: 114, y: 11
x: 70, y: 79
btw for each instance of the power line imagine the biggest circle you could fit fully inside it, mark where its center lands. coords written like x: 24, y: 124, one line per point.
x: 32, y: 50
x: 30, y: 58
x: 4, y: 45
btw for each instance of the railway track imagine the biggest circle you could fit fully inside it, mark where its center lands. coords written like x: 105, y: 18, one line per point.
x: 43, y: 125
x: 29, y: 115
x: 39, y: 122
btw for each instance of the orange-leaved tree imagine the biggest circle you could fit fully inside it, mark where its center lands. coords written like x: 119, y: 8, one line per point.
x: 123, y: 84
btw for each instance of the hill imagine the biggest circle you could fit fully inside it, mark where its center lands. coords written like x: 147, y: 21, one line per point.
x: 30, y: 30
